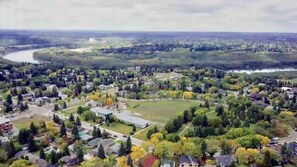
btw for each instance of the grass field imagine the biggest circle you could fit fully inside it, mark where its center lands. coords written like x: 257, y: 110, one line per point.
x: 69, y: 111
x: 142, y: 135
x: 25, y: 122
x: 159, y: 111
x: 120, y: 128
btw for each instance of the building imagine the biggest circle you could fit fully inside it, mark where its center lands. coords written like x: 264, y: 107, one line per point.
x: 167, y: 163
x: 42, y: 100
x: 101, y: 112
x: 5, y: 126
x: 128, y: 119
x: 188, y: 161
x: 106, y: 143
x: 224, y: 160
x: 94, y: 143
x: 90, y: 154
x: 293, y: 148
x: 91, y: 103
x: 28, y: 96
x: 114, y: 149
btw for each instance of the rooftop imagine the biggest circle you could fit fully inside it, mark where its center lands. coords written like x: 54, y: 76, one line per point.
x: 134, y: 120
x: 102, y: 111
x: 3, y: 120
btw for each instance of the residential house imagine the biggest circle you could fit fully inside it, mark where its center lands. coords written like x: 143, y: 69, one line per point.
x: 188, y: 161
x: 91, y: 103
x: 293, y: 148
x: 62, y: 95
x: 90, y: 154
x: 28, y: 96
x: 72, y: 162
x: 114, y: 149
x: 224, y: 160
x: 101, y: 111
x: 5, y: 126
x: 106, y: 143
x: 65, y: 159
x: 94, y: 143
x: 42, y: 100
x: 167, y: 163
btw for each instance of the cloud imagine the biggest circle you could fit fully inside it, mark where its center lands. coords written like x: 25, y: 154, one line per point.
x: 153, y: 15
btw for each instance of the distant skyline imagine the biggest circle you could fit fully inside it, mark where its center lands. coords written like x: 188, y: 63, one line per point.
x: 151, y: 15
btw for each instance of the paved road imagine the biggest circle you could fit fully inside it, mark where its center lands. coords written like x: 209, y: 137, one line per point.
x: 47, y: 111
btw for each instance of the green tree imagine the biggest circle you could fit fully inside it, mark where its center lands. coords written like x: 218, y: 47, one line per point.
x: 75, y: 133
x: 101, y: 152
x: 3, y: 155
x: 267, y: 159
x: 79, y: 154
x: 33, y: 129
x: 128, y: 145
x: 63, y: 130
x: 203, y: 149
x: 130, y: 161
x: 121, y: 151
x: 56, y: 107
x: 71, y: 118
x: 41, y: 153
x: 31, y: 144
x: 78, y: 123
x: 80, y: 110
x: 65, y: 150
x: 134, y: 128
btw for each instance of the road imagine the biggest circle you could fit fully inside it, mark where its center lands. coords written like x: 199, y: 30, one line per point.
x: 47, y: 111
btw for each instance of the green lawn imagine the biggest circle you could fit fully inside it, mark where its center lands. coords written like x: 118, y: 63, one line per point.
x: 159, y: 111
x: 120, y: 128
x: 142, y: 135
x: 69, y: 111
x: 25, y: 122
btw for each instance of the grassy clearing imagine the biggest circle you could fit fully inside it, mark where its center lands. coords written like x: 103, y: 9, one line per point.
x: 120, y: 128
x: 142, y: 135
x: 25, y: 122
x: 159, y: 111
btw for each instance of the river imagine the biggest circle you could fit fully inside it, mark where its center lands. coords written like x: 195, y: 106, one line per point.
x: 22, y: 56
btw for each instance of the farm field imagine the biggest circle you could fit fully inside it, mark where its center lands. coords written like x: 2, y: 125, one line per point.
x: 159, y: 111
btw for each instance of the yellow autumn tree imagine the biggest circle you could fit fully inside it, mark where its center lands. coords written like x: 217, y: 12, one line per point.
x: 137, y: 152
x: 264, y: 140
x: 156, y: 138
x: 108, y: 101
x: 22, y: 163
x: 252, y: 154
x: 122, y: 161
x: 187, y: 95
x: 242, y: 156
x: 94, y: 96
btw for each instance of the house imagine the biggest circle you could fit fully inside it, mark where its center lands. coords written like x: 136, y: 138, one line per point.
x: 101, y: 111
x: 106, y: 143
x: 62, y: 95
x: 91, y: 103
x: 167, y: 163
x: 224, y: 160
x: 94, y: 143
x: 42, y: 100
x: 72, y: 162
x: 28, y: 96
x: 294, y: 90
x: 188, y: 161
x: 65, y: 159
x: 255, y: 96
x: 285, y: 89
x: 114, y: 149
x: 90, y: 154
x: 5, y: 126
x: 128, y: 119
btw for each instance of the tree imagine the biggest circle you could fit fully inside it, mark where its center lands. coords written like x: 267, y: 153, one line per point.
x: 151, y: 131
x: 219, y: 110
x: 41, y: 153
x: 31, y: 144
x: 204, y: 121
x: 101, y: 152
x: 78, y: 123
x: 52, y: 157
x: 203, y: 149
x: 93, y: 162
x: 130, y: 161
x: 80, y: 110
x: 65, y: 150
x: 23, y: 136
x: 121, y: 151
x: 64, y: 105
x: 22, y: 163
x: 75, y: 133
x: 71, y: 118
x: 3, y: 155
x: 267, y: 159
x: 63, y: 130
x: 128, y: 145
x: 56, y: 107
x: 134, y: 128
x: 9, y: 148
x: 79, y: 154
x: 9, y: 99
x: 137, y: 153
x: 33, y: 129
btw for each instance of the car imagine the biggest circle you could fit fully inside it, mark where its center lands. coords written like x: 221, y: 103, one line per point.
x: 125, y: 136
x: 115, y: 136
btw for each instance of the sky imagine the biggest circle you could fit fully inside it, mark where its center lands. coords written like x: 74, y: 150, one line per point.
x: 151, y: 15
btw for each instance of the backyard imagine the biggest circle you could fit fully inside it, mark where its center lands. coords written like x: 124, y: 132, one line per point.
x: 159, y: 111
